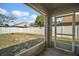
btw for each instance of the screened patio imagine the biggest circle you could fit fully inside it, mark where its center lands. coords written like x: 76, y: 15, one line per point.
x: 58, y: 41
x: 61, y: 32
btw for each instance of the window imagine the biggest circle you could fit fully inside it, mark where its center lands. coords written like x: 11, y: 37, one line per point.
x: 20, y: 28
x: 62, y: 32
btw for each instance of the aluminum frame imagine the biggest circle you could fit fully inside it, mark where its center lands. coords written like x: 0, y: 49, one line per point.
x: 73, y: 33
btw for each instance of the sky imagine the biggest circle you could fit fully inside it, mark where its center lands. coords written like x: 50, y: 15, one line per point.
x: 22, y: 12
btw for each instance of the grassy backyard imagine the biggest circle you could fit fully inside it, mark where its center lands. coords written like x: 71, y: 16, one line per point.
x: 7, y: 40
x: 66, y: 40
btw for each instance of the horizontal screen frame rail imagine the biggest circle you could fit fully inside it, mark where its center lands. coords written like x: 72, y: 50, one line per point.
x: 64, y: 34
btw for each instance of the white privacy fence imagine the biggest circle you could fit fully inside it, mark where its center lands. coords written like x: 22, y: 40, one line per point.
x: 32, y: 30
x: 67, y: 30
x: 37, y: 30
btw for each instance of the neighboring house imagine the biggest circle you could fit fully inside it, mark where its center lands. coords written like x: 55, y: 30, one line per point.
x: 23, y: 24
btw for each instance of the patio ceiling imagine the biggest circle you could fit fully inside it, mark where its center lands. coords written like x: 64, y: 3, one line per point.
x: 55, y: 8
x: 52, y: 6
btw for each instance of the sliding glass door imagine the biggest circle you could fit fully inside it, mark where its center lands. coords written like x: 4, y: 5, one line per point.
x: 64, y: 32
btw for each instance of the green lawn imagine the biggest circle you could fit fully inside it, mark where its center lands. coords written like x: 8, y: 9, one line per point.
x: 66, y: 43
x: 66, y: 40
x: 7, y: 40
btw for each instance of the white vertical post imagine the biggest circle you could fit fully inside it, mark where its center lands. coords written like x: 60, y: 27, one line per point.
x: 55, y: 33
x: 73, y: 32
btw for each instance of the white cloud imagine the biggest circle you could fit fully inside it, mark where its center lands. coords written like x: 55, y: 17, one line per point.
x: 3, y: 11
x: 33, y: 17
x: 20, y: 13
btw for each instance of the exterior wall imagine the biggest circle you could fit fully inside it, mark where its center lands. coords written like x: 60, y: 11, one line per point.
x: 67, y: 19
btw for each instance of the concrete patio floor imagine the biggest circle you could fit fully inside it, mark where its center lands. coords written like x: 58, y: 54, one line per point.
x: 54, y: 52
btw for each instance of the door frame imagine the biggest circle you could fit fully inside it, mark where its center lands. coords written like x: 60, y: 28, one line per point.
x: 73, y: 33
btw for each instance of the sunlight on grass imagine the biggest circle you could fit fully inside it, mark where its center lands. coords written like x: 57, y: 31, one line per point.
x: 11, y: 39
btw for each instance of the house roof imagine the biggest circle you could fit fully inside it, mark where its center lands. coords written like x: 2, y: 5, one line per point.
x: 21, y: 23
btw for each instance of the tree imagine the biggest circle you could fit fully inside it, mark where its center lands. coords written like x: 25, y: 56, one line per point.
x: 1, y: 23
x: 39, y: 21
x: 6, y: 25
x: 6, y: 20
